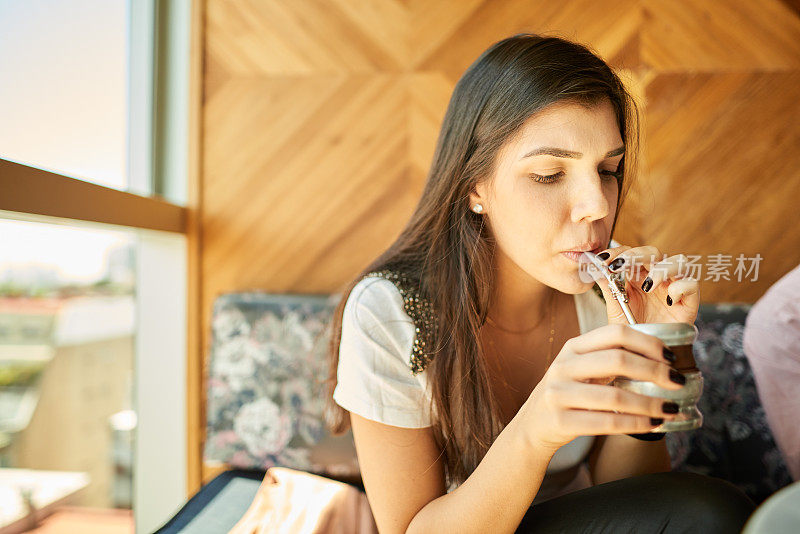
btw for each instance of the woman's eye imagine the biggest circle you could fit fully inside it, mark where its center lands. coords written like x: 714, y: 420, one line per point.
x: 617, y: 175
x: 550, y: 178
x: 546, y: 179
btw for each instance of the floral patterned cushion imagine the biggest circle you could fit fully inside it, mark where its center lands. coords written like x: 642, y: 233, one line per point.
x: 265, y: 389
x: 735, y: 442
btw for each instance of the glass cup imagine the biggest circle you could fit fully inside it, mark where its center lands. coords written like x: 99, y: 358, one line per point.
x: 679, y: 337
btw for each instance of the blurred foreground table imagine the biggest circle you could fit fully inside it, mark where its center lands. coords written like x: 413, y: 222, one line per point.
x: 29, y: 495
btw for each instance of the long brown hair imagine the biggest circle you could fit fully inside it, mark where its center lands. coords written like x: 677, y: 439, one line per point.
x: 446, y: 248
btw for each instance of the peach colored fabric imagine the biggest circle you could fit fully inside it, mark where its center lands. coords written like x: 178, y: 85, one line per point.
x: 772, y: 346
x: 295, y: 502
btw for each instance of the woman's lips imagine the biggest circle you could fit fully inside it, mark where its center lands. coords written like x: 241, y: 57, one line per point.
x: 580, y: 257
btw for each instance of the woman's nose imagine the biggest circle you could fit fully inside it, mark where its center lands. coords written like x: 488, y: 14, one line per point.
x: 590, y: 198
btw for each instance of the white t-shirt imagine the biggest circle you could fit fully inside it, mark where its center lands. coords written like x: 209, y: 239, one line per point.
x: 374, y: 377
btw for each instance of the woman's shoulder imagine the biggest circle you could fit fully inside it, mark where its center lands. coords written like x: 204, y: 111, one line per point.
x: 388, y: 302
x: 375, y: 376
x: 377, y: 299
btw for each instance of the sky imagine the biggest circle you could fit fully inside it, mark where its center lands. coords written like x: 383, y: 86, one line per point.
x: 78, y: 254
x: 63, y: 107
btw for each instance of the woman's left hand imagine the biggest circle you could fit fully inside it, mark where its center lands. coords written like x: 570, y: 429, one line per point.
x: 671, y: 298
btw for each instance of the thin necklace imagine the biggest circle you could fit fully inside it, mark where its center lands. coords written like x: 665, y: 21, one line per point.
x: 549, y: 352
x: 494, y: 324
x: 525, y: 331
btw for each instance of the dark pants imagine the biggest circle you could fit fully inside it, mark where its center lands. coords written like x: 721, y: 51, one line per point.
x: 657, y: 502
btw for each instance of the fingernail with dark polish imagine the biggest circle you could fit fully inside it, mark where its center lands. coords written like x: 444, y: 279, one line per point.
x: 655, y: 421
x: 617, y: 264
x: 669, y: 300
x: 669, y: 355
x: 677, y: 377
x: 648, y: 283
x: 669, y: 407
x: 604, y: 255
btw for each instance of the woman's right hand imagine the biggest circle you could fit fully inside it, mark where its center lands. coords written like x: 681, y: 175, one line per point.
x: 574, y: 397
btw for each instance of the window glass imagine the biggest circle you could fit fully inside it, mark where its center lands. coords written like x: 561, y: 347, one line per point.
x: 63, y: 98
x: 67, y: 314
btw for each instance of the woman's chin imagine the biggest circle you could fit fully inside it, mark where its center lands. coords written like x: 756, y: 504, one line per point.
x: 579, y: 282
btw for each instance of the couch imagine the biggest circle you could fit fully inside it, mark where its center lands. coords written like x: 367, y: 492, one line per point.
x: 265, y: 406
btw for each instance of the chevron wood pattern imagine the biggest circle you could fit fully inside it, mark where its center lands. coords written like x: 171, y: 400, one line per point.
x: 320, y: 118
x: 724, y: 168
x: 720, y: 35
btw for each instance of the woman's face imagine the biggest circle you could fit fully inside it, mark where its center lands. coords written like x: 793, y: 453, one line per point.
x: 553, y: 191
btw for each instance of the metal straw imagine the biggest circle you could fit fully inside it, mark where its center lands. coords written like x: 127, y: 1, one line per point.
x: 617, y: 289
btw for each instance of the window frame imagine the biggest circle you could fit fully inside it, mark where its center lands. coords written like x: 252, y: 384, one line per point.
x: 164, y: 102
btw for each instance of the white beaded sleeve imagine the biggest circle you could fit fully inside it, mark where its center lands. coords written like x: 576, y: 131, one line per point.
x: 374, y: 378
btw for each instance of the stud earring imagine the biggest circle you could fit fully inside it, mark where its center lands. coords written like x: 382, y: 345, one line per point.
x: 477, y: 208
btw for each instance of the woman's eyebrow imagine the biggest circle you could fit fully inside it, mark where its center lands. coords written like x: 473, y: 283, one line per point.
x: 563, y: 153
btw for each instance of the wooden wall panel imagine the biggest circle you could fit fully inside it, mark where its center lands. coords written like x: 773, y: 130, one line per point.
x: 320, y: 118
x: 720, y: 35
x: 609, y: 26
x: 724, y: 170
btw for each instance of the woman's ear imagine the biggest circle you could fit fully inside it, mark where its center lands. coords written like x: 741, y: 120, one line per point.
x: 475, y: 197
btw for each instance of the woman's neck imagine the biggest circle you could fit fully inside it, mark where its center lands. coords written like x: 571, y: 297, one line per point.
x: 519, y: 301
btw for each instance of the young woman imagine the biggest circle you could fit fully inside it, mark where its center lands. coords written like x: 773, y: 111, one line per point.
x: 474, y: 358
